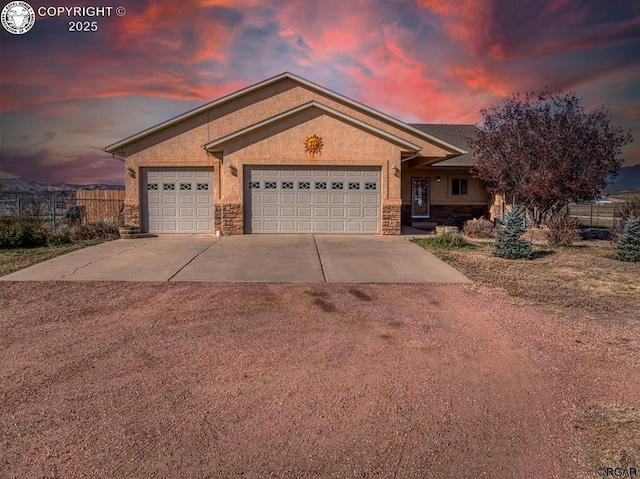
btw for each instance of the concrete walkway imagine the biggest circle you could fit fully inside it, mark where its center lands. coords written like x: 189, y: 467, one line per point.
x: 249, y: 258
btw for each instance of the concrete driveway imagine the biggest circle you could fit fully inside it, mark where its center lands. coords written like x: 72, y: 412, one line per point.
x: 249, y: 258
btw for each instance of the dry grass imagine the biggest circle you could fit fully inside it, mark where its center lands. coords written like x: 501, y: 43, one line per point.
x: 612, y: 436
x: 583, y: 279
x: 14, y: 259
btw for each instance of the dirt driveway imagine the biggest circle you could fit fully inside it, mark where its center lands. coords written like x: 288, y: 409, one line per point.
x: 200, y: 380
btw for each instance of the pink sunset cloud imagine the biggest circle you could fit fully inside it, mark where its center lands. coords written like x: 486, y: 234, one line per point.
x: 420, y: 60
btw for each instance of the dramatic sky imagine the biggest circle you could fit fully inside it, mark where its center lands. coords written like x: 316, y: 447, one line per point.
x: 65, y: 95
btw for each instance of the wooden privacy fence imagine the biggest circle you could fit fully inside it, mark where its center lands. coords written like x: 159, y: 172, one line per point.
x: 67, y: 208
x: 100, y: 205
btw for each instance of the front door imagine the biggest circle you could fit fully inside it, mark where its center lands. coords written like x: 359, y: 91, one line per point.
x: 419, y: 197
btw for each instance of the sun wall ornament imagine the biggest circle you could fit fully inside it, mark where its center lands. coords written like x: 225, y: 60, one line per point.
x: 313, y: 145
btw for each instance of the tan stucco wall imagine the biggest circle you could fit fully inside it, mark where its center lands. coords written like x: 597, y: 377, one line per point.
x: 440, y: 193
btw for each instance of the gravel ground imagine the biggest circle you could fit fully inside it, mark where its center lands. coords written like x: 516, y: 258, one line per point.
x: 307, y: 380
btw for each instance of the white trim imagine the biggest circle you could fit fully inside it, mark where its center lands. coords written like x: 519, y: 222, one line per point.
x: 400, y: 124
x: 313, y: 104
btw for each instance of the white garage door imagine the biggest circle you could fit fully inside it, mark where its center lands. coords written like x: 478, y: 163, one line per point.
x: 177, y: 200
x: 312, y: 200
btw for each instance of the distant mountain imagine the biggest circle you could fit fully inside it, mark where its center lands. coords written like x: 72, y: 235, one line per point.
x: 28, y: 186
x: 628, y: 177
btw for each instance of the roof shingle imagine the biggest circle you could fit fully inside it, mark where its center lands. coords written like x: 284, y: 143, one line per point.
x: 456, y: 135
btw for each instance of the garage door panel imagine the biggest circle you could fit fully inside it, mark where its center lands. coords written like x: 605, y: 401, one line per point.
x: 321, y: 212
x: 321, y: 226
x: 370, y: 212
x: 270, y: 211
x: 270, y: 226
x: 177, y: 200
x: 337, y: 226
x: 287, y: 226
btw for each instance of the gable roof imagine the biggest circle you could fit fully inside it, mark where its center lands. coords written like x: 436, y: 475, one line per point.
x: 456, y: 135
x: 310, y: 85
x: 412, y: 148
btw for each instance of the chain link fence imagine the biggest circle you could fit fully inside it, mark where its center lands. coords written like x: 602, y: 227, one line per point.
x: 595, y: 214
x: 57, y: 209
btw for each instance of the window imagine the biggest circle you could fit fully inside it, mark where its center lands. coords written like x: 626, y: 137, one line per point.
x: 370, y: 186
x: 203, y: 187
x: 168, y: 187
x: 287, y: 185
x: 304, y: 185
x: 321, y: 185
x: 152, y: 187
x: 354, y: 186
x: 270, y: 185
x: 254, y: 185
x: 335, y: 185
x: 185, y: 186
x: 460, y: 186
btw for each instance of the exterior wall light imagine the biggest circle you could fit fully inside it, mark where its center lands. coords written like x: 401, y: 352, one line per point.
x: 131, y: 172
x: 395, y: 169
x: 438, y: 179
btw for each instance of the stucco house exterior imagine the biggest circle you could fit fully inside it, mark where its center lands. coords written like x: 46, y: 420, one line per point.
x: 289, y: 156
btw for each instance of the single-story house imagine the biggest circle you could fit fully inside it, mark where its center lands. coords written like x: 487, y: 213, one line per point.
x: 290, y: 156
